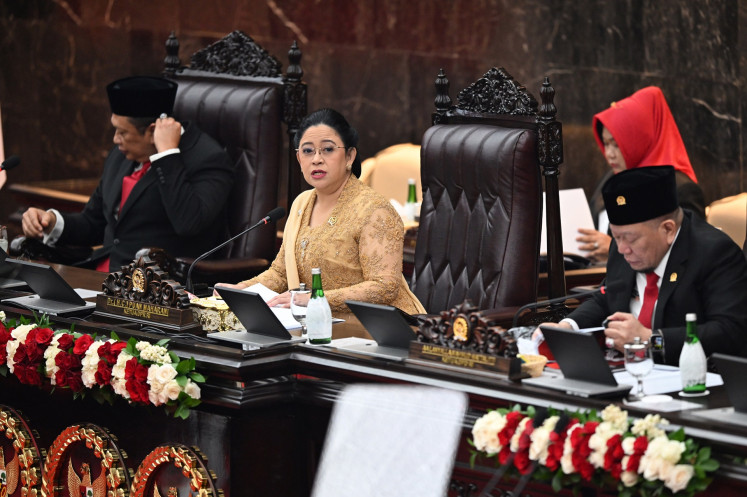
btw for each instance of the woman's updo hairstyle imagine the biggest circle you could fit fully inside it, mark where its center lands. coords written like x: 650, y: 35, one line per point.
x: 335, y: 120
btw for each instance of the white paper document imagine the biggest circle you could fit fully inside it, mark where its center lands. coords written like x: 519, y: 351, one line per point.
x: 574, y: 214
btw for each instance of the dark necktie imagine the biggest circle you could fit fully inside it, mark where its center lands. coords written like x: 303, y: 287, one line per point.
x: 650, y: 294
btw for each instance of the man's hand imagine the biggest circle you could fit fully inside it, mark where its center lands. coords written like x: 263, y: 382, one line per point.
x: 623, y: 327
x: 36, y: 222
x: 167, y: 134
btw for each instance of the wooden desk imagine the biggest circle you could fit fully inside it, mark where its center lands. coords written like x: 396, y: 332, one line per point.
x: 265, y: 413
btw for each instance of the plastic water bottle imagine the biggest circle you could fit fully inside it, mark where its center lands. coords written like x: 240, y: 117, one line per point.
x: 411, y: 205
x: 318, y: 313
x: 693, y: 366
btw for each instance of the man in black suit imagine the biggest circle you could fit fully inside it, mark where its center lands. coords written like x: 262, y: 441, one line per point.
x: 164, y: 184
x: 664, y: 263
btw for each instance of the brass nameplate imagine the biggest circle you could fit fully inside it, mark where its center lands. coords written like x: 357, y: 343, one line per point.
x: 465, y: 359
x: 145, y: 312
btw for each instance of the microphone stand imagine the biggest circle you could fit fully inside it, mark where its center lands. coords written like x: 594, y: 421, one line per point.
x: 273, y: 216
x: 557, y: 300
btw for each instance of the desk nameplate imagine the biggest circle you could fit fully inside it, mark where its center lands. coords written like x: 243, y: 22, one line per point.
x: 146, y: 313
x: 438, y: 355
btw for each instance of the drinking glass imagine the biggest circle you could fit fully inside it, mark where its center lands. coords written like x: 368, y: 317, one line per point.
x: 298, y: 303
x: 639, y: 363
x: 4, y: 238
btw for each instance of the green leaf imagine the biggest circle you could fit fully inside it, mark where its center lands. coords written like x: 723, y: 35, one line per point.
x: 709, y: 465
x: 678, y: 435
x: 181, y: 380
x: 557, y: 481
x: 162, y: 342
x: 183, y: 367
x: 196, y: 377
x: 181, y: 412
x: 174, y: 358
x: 472, y: 459
x: 114, y: 336
x: 704, y: 454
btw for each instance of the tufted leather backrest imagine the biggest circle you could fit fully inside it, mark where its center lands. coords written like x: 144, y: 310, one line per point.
x: 480, y: 219
x: 246, y: 118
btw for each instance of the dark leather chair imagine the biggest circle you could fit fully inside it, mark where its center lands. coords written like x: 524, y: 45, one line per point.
x: 235, y: 91
x: 481, y: 167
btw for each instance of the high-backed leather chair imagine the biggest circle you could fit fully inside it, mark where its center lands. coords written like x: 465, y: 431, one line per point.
x: 235, y: 91
x: 481, y: 167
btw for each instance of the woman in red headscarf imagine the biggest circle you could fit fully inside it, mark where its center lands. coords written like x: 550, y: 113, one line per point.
x: 639, y: 131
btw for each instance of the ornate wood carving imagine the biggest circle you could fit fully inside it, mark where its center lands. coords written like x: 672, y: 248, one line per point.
x: 144, y: 281
x: 497, y: 93
x: 443, y: 100
x: 20, y: 456
x: 85, y: 460
x: 550, y: 153
x: 176, y: 471
x: 236, y: 54
x: 171, y: 63
x: 464, y: 328
x: 295, y: 107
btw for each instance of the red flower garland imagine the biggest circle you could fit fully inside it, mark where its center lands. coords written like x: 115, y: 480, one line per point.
x: 5, y: 336
x: 557, y: 443
x: 108, y: 354
x: 581, y: 449
x: 513, y: 419
x: 69, y: 361
x: 30, y: 354
x: 521, y: 457
x: 136, y: 381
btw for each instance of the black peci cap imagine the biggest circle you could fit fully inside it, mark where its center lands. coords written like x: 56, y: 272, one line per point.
x: 640, y: 194
x: 141, y: 96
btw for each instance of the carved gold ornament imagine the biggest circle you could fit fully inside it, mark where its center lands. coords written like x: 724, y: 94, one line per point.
x: 20, y: 463
x: 461, y: 329
x: 190, y: 461
x: 138, y: 280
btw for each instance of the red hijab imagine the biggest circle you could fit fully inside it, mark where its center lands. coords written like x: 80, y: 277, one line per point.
x: 645, y: 131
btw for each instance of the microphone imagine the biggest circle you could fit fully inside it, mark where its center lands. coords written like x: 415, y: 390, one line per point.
x: 10, y: 163
x: 557, y: 300
x: 273, y: 215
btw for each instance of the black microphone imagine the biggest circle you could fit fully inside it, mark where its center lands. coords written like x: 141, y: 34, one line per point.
x: 10, y: 163
x: 557, y: 300
x: 273, y: 215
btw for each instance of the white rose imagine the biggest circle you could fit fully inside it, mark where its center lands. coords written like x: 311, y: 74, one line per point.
x: 628, y: 445
x: 672, y: 451
x: 192, y: 389
x: 540, y: 440
x: 163, y: 374
x: 629, y: 478
x: 171, y: 390
x: 650, y: 467
x: 485, y: 432
x: 679, y: 477
x: 20, y: 332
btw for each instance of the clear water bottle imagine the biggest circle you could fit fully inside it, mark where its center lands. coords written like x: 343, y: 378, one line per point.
x: 318, y: 313
x: 411, y: 206
x: 693, y: 365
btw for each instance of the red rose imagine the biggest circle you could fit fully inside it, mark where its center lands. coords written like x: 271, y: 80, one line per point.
x: 63, y: 360
x: 42, y: 336
x: 65, y: 341
x: 135, y: 381
x: 103, y: 374
x: 82, y: 344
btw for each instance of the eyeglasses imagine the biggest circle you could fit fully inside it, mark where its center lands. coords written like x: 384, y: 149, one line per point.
x: 308, y: 152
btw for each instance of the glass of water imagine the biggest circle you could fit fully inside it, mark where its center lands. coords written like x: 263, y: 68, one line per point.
x: 4, y: 238
x: 298, y: 303
x: 639, y: 363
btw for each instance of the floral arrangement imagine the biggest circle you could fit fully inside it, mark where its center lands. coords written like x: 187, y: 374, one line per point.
x: 141, y: 372
x: 638, y: 457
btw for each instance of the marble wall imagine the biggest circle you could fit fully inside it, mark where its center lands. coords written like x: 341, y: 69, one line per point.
x: 376, y: 61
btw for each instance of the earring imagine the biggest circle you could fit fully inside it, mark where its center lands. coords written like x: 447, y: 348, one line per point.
x: 349, y: 167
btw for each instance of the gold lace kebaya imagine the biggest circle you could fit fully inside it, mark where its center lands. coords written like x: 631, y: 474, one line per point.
x: 359, y: 250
